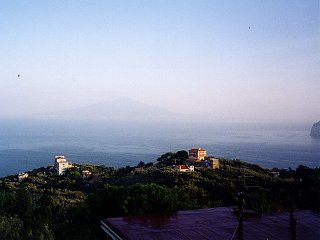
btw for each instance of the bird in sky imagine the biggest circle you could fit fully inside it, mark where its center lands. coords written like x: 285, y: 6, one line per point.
x: 18, y: 75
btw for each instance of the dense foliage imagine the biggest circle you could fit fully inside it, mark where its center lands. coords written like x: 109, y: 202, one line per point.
x: 48, y: 206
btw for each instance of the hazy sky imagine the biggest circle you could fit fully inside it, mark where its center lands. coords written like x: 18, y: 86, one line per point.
x: 233, y: 60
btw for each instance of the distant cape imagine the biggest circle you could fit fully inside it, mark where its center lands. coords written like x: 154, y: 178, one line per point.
x: 315, y: 130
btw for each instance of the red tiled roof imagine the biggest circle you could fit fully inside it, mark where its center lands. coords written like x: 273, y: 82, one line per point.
x: 181, y: 167
x: 197, y: 149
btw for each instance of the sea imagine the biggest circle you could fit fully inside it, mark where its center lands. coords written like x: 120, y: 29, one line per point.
x: 26, y: 144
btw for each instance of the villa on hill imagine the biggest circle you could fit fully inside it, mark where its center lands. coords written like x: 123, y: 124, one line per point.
x: 61, y: 164
x: 184, y: 168
x: 212, y: 163
x: 197, y: 154
x: 22, y: 176
x: 199, y: 157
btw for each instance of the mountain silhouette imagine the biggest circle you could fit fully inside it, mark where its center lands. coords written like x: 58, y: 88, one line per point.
x: 123, y: 109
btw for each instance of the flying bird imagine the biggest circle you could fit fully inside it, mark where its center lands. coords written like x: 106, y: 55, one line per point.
x: 18, y: 75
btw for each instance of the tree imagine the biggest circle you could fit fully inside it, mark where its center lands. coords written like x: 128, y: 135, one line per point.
x: 165, y: 158
x: 137, y: 199
x: 24, y: 205
x: 11, y: 228
x: 183, y: 155
x: 7, y: 203
x: 141, y: 164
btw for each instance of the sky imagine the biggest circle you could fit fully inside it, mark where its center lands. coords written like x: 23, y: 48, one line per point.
x: 220, y: 60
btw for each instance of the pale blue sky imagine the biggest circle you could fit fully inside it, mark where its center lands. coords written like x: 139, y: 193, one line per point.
x: 225, y: 60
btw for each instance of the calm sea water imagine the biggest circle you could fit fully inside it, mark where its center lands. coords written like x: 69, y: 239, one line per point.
x: 28, y: 144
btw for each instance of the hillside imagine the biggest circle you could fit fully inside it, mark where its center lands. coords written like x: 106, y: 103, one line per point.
x: 47, y: 206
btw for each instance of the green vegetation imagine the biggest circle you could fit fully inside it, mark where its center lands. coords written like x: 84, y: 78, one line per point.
x: 48, y: 206
x: 170, y: 158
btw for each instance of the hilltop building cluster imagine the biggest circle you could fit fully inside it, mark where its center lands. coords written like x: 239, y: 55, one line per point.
x: 192, y: 159
x: 198, y: 157
x: 61, y: 165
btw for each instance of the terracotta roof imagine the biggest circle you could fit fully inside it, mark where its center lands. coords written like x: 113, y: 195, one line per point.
x: 181, y: 167
x: 197, y: 149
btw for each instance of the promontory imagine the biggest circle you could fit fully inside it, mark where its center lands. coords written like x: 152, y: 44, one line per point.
x: 315, y: 130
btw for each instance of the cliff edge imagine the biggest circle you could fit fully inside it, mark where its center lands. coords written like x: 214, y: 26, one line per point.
x: 315, y: 130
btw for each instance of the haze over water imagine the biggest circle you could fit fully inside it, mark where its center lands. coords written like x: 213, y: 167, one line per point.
x: 227, y: 65
x: 234, y: 61
x: 28, y: 144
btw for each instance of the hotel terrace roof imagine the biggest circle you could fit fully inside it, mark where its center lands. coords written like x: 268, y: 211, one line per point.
x: 212, y: 223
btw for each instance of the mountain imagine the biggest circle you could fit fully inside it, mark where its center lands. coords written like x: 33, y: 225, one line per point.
x: 315, y: 130
x: 122, y: 109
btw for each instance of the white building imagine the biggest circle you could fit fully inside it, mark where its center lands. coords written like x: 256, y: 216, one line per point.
x: 86, y: 173
x: 184, y: 168
x: 22, y: 176
x: 61, y: 164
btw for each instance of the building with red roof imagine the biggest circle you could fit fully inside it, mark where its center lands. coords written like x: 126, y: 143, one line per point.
x: 197, y: 154
x: 184, y: 168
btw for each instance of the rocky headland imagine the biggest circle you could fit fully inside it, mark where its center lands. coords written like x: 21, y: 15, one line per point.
x: 315, y: 130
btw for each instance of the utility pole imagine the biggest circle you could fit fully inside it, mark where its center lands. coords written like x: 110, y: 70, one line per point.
x: 241, y: 203
x: 293, y: 221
